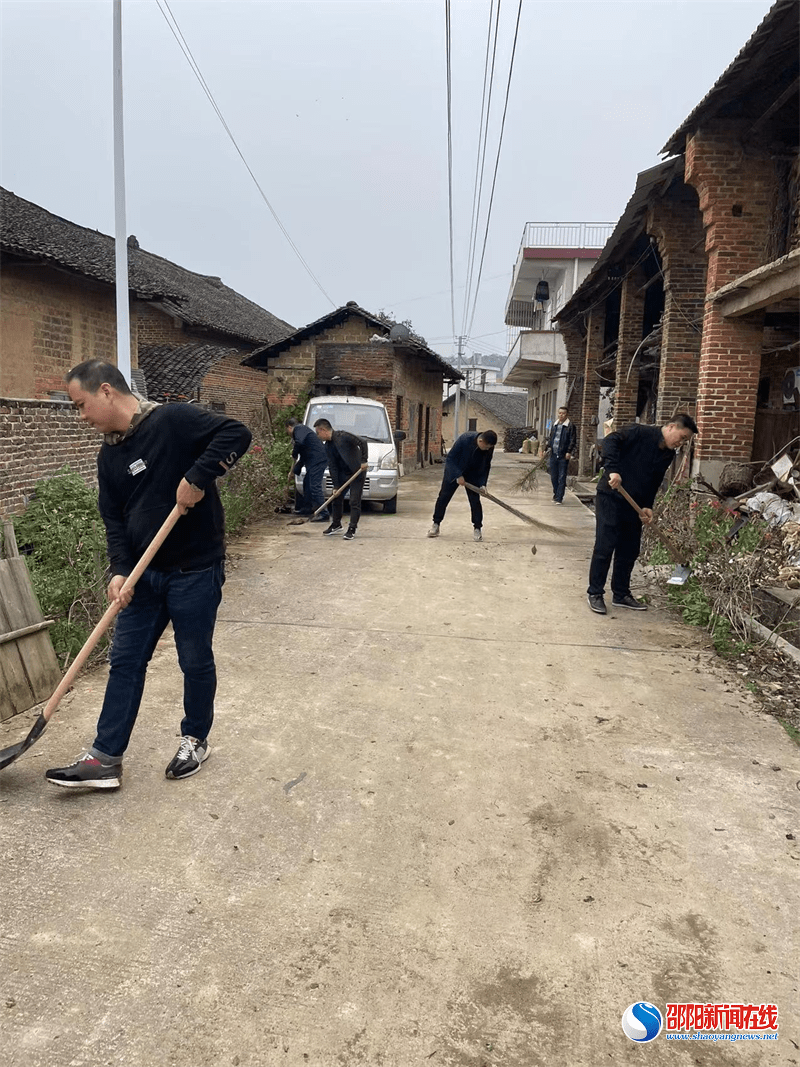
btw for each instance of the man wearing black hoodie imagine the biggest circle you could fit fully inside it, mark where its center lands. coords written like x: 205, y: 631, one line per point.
x: 153, y: 457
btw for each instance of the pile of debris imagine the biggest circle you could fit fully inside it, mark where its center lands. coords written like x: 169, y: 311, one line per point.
x: 776, y: 502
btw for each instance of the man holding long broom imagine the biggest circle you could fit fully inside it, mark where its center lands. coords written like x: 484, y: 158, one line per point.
x: 154, y: 457
x: 468, y: 461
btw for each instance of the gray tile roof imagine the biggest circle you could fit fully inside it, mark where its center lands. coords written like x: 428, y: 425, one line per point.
x: 260, y: 357
x: 505, y: 407
x: 174, y: 371
x: 199, y: 300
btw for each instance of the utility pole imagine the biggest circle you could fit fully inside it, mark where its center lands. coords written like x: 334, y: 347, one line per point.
x: 457, y: 413
x: 121, y: 238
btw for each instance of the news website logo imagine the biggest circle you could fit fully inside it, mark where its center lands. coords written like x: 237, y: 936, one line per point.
x: 642, y: 1022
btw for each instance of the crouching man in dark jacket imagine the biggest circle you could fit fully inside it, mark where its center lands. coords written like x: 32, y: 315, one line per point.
x: 469, y: 460
x: 155, y: 456
x: 346, y: 454
x: 309, y: 452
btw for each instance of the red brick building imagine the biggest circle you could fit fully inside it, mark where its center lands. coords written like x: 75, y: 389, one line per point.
x: 189, y: 334
x: 693, y: 304
x: 350, y: 352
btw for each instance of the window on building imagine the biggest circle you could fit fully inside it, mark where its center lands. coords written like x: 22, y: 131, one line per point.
x: 398, y: 413
x: 218, y: 405
x: 472, y: 424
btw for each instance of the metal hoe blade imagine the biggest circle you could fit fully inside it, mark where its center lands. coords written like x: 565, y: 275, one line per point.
x: 8, y: 755
x: 680, y: 575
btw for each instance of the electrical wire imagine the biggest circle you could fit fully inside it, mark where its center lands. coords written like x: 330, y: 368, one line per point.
x: 182, y: 43
x: 480, y: 159
x: 496, y: 166
x: 450, y: 161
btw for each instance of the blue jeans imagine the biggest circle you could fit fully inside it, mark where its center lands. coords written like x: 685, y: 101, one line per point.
x: 189, y: 600
x: 558, y: 476
x: 313, y: 496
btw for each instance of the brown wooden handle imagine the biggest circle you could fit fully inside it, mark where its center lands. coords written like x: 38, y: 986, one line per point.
x: 630, y: 499
x: 111, y: 611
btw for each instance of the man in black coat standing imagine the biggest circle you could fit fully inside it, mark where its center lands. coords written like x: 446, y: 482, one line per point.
x: 636, y: 457
x: 309, y: 452
x: 561, y: 447
x: 469, y: 460
x: 346, y: 453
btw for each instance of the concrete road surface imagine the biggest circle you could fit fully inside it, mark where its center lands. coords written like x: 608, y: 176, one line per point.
x: 450, y: 818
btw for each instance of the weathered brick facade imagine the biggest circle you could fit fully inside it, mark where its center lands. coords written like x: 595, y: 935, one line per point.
x: 39, y: 438
x: 344, y: 358
x: 676, y: 223
x: 587, y: 428
x: 49, y: 321
x: 735, y: 192
x: 631, y: 319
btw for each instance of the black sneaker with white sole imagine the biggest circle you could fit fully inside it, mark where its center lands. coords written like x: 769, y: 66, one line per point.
x: 597, y: 603
x: 188, y: 759
x: 334, y: 528
x: 628, y: 601
x: 88, y: 772
x: 350, y: 533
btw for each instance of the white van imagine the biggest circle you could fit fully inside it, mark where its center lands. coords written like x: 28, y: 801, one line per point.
x: 370, y: 420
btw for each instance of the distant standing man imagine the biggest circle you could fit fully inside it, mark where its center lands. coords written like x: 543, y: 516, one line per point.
x: 154, y: 456
x: 561, y: 448
x: 469, y: 460
x: 346, y: 453
x: 309, y: 452
x: 636, y: 457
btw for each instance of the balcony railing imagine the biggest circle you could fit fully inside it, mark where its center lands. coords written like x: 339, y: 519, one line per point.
x: 566, y: 234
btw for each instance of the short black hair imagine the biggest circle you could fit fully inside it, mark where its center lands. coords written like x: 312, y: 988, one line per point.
x: 93, y: 373
x: 323, y: 423
x: 684, y: 420
x: 489, y: 436
x: 292, y: 421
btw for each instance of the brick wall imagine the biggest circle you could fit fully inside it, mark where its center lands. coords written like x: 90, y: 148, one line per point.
x: 595, y: 332
x: 736, y: 191
x: 39, y: 437
x: 49, y: 322
x: 631, y: 324
x: 677, y: 224
x: 415, y: 386
x: 240, y: 389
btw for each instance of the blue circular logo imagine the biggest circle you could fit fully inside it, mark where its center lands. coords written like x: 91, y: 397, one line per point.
x: 642, y: 1021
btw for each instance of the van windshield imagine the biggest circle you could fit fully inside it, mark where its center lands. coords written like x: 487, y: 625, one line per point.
x: 361, y: 419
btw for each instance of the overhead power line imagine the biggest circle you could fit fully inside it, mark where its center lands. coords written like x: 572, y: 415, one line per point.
x: 480, y: 159
x: 450, y: 159
x: 172, y: 22
x: 496, y: 166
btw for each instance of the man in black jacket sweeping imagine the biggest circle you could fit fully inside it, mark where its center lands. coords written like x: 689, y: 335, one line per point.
x: 469, y: 460
x: 309, y: 452
x: 346, y: 454
x: 153, y: 457
x: 636, y: 457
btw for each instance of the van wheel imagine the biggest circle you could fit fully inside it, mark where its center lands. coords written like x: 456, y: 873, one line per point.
x: 390, y: 506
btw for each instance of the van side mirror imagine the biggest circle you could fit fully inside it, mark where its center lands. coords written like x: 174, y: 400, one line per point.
x: 399, y: 435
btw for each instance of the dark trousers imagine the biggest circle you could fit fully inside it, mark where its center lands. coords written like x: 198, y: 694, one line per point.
x: 558, y: 476
x: 446, y: 495
x: 189, y: 600
x: 355, y: 490
x: 312, y: 496
x: 618, y: 535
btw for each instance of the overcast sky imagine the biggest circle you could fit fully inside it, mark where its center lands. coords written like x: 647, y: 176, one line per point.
x: 340, y: 110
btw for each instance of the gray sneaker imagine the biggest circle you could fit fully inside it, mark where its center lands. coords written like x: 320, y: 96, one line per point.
x: 87, y: 772
x: 434, y: 530
x: 188, y: 759
x: 476, y: 533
